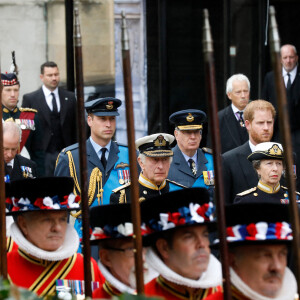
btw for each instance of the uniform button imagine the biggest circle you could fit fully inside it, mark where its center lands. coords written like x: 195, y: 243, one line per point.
x: 106, y: 174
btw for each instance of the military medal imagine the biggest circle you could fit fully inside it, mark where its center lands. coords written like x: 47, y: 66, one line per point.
x: 127, y: 176
x: 121, y: 177
x: 209, y: 177
x: 27, y: 172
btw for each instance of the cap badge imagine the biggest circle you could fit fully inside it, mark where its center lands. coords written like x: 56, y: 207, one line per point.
x: 190, y: 117
x: 160, y: 141
x: 275, y: 150
x: 110, y: 105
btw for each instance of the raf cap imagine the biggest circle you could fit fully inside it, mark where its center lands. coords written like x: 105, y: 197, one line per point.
x: 176, y: 209
x: 257, y: 223
x: 103, y: 106
x: 41, y: 194
x: 189, y: 119
x: 155, y: 145
x: 9, y: 79
x: 267, y: 150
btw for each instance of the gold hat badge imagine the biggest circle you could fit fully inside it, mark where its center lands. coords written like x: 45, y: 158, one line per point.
x: 160, y: 141
x: 190, y: 117
x: 110, y: 105
x: 275, y: 150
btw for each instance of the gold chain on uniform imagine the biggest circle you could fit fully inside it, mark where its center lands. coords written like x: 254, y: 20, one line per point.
x: 95, y: 179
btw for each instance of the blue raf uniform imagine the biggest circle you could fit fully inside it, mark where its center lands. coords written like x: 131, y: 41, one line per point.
x: 200, y: 174
x: 101, y: 181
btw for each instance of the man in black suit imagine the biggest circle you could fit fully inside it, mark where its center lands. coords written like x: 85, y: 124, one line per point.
x: 232, y: 126
x: 239, y: 175
x: 16, y: 166
x: 291, y: 77
x: 57, y: 114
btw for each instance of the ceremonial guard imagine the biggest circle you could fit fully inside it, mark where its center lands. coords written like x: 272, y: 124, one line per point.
x: 112, y: 231
x: 177, y: 231
x: 107, y: 162
x: 47, y: 244
x: 155, y: 157
x: 267, y: 160
x: 259, y: 236
x: 191, y: 166
x: 26, y: 118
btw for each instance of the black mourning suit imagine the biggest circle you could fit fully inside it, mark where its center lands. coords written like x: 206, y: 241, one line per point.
x: 293, y: 99
x: 238, y: 172
x: 67, y: 116
x: 231, y: 133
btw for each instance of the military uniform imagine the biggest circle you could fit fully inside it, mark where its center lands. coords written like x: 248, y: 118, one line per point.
x: 171, y: 212
x: 27, y: 118
x: 168, y: 290
x: 32, y: 134
x: 256, y: 225
x: 198, y: 170
x: 30, y: 266
x: 23, y: 168
x: 39, y: 275
x: 147, y: 189
x: 102, y: 177
x: 101, y: 181
x: 182, y: 173
x: 112, y: 230
x: 264, y: 193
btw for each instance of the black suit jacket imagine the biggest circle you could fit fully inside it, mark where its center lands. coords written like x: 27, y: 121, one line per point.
x: 231, y: 133
x: 239, y: 175
x: 37, y: 101
x: 293, y: 97
x: 17, y: 172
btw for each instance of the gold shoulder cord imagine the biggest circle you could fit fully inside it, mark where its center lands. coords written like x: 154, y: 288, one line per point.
x: 95, y: 179
x: 122, y: 198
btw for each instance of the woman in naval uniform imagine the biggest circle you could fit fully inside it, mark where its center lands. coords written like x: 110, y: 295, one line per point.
x: 267, y: 160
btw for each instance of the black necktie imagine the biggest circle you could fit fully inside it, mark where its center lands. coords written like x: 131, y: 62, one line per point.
x: 8, y: 169
x: 103, y: 159
x: 289, y: 83
x: 54, y: 105
x: 193, y: 166
x: 242, y: 122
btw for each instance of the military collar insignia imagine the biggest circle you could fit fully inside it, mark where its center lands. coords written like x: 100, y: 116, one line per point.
x: 268, y: 189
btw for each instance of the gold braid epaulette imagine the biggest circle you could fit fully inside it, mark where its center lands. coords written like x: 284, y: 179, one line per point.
x: 95, y: 179
x: 28, y: 109
x: 122, y: 198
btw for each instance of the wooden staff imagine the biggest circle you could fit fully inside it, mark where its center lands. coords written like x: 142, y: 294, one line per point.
x: 216, y: 143
x: 3, y: 260
x: 82, y: 156
x: 285, y: 133
x: 134, y: 188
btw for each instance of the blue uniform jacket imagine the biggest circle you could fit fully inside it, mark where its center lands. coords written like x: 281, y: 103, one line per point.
x: 98, y: 178
x: 180, y: 171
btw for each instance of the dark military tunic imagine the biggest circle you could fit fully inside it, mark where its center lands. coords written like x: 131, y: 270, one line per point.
x: 266, y: 194
x: 27, y: 119
x: 147, y: 189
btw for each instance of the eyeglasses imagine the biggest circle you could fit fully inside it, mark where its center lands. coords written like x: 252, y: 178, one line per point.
x: 129, y: 252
